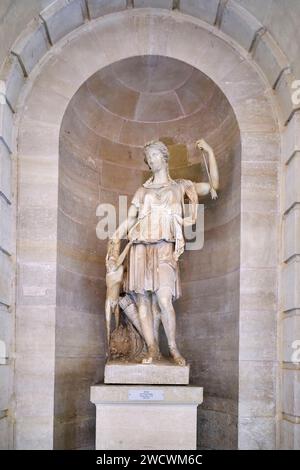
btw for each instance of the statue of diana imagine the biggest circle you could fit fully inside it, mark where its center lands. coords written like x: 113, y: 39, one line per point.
x: 154, y: 228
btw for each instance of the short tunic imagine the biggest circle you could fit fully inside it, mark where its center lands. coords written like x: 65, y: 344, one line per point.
x: 157, y: 237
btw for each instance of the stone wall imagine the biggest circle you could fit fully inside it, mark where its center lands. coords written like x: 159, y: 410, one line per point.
x: 290, y: 281
x: 241, y: 18
x: 250, y: 92
x: 212, y: 301
x: 79, y: 340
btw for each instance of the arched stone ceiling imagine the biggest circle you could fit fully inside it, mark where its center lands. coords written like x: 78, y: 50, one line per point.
x: 280, y: 17
x: 124, y: 105
x: 266, y: 30
x: 151, y: 89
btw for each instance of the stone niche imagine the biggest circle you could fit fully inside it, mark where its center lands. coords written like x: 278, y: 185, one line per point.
x: 109, y: 119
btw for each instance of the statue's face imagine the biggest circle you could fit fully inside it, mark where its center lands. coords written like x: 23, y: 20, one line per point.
x: 155, y: 159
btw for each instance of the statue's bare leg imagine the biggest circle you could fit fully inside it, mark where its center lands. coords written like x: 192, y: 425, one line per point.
x: 117, y: 315
x: 146, y: 321
x: 164, y: 298
x: 108, y: 309
x: 156, y: 317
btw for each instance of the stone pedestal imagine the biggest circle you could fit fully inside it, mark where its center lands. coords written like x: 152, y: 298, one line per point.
x: 161, y: 373
x: 136, y: 417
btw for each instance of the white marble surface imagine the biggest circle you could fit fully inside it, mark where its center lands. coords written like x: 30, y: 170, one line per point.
x: 154, y: 417
x: 164, y: 373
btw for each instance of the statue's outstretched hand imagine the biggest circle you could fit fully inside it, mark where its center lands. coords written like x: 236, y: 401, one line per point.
x: 203, y: 145
x: 213, y: 193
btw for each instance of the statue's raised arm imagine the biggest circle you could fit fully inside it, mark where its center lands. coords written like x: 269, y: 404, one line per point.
x: 212, y: 171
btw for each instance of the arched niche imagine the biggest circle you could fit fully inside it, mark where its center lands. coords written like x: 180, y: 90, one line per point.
x: 109, y: 119
x: 43, y: 393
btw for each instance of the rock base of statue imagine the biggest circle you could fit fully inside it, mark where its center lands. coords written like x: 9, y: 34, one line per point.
x: 163, y: 372
x: 135, y: 417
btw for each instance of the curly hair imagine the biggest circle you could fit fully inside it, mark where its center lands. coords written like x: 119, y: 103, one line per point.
x: 158, y: 145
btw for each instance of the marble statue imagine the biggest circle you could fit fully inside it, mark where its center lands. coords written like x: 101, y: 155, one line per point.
x: 143, y: 281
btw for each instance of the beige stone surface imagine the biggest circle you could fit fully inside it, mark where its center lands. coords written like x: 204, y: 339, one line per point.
x: 160, y: 427
x: 291, y: 392
x: 292, y: 188
x: 153, y: 4
x: 260, y: 240
x: 6, y: 217
x: 257, y: 386
x: 31, y: 46
x: 80, y: 371
x: 5, y: 386
x: 290, y: 336
x: 6, y: 274
x: 126, y: 421
x: 164, y: 374
x: 61, y: 17
x: 6, y: 333
x: 261, y: 147
x: 253, y: 328
x: 289, y: 435
x: 284, y: 96
x: 103, y: 7
x: 278, y: 19
x: 243, y: 84
x: 6, y: 123
x: 13, y: 76
x: 39, y: 162
x: 204, y: 9
x: 37, y: 283
x: 44, y: 108
x: 239, y: 24
x: 269, y: 57
x: 66, y: 438
x: 44, y: 144
x: 258, y: 289
x: 256, y: 433
x: 260, y: 186
x: 217, y: 427
x: 38, y: 337
x: 34, y: 386
x: 291, y: 138
x: 34, y: 433
x: 291, y: 223
x: 126, y: 161
x: 101, y: 394
x: 290, y: 285
x: 78, y: 333
x: 256, y: 115
x: 5, y: 171
x: 5, y: 433
x: 39, y: 221
x: 281, y: 23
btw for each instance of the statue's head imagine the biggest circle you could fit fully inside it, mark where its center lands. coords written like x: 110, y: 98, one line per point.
x: 156, y: 154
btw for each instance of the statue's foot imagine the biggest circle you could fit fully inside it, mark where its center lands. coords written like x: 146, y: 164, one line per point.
x: 153, y: 355
x: 177, y: 357
x: 147, y: 360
